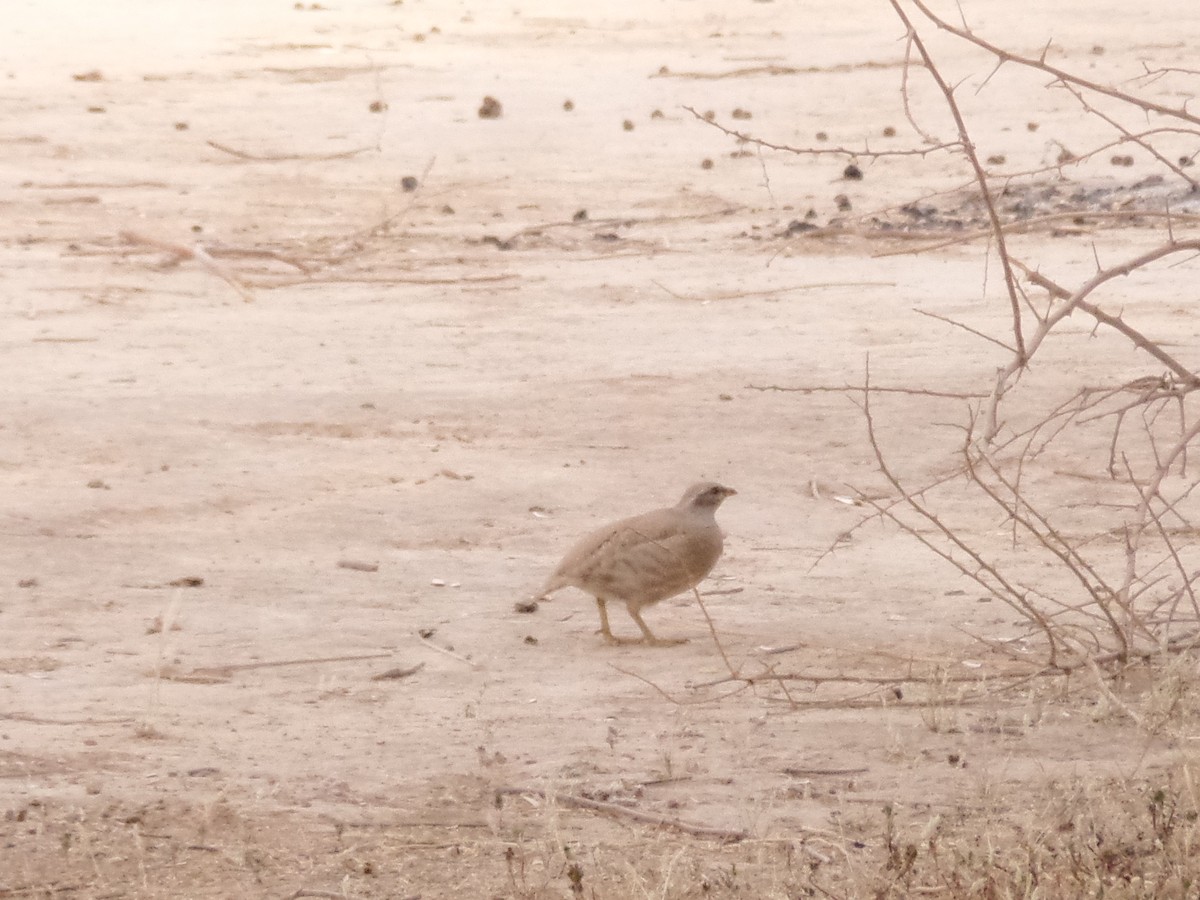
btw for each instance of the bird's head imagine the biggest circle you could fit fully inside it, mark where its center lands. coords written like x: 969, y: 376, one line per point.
x: 705, y: 495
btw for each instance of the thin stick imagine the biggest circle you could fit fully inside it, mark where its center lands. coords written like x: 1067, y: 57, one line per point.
x: 675, y: 700
x: 432, y: 646
x: 624, y: 812
x: 283, y: 157
x: 197, y: 252
x: 858, y: 389
x: 712, y: 629
x: 967, y: 328
x: 307, y: 661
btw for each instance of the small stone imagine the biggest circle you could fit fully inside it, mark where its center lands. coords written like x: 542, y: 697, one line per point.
x: 490, y: 108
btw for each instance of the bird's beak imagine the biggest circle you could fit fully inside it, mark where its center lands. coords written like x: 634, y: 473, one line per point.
x: 729, y: 492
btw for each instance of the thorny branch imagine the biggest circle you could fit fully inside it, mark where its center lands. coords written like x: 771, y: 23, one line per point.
x: 1047, y: 323
x: 1061, y: 75
x: 1151, y: 608
x: 865, y: 152
x: 981, y: 178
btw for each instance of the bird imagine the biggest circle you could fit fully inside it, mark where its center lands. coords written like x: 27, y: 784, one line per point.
x: 644, y: 559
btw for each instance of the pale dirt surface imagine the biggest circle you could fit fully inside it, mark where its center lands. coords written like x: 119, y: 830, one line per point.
x: 458, y: 413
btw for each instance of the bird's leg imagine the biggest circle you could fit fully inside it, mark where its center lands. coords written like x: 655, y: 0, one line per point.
x: 649, y: 635
x: 604, y: 629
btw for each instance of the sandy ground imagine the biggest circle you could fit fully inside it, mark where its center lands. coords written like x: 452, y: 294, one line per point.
x: 461, y: 380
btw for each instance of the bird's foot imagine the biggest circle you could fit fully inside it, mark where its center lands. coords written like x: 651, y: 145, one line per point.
x: 610, y: 638
x: 647, y: 641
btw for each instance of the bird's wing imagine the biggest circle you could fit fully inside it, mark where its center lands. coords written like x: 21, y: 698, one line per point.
x: 647, y: 557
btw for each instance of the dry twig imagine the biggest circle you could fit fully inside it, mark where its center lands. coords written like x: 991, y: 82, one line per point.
x: 623, y: 812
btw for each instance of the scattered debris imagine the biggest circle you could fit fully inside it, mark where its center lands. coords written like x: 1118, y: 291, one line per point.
x: 525, y: 606
x: 397, y: 674
x: 358, y: 565
x: 490, y: 108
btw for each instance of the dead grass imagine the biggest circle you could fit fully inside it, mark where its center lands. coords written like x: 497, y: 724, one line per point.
x: 1083, y: 837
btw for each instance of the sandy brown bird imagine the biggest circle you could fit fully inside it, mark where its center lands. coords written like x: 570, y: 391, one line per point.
x: 647, y: 558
